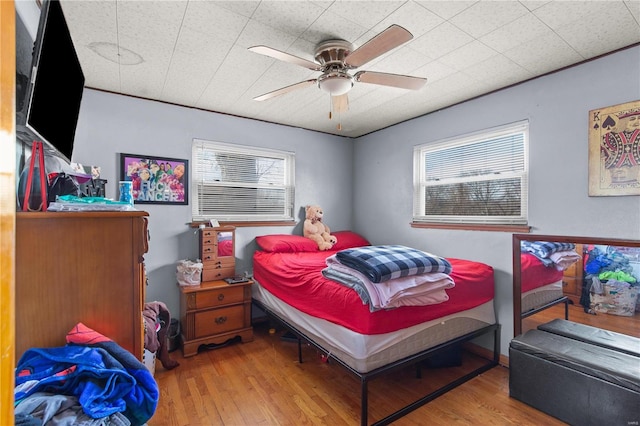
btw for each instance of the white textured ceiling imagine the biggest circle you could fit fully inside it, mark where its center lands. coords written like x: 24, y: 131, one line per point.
x: 194, y: 53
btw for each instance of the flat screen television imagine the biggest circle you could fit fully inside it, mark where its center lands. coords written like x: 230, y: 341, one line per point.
x: 55, y: 85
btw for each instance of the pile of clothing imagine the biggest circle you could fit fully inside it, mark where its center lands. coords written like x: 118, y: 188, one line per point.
x: 390, y: 276
x: 89, y: 381
x: 610, y: 285
x: 157, y: 320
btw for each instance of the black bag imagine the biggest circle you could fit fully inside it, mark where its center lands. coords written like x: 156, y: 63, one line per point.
x: 62, y: 184
x: 31, y: 200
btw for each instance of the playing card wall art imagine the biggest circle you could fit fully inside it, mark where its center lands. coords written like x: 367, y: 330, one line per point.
x: 156, y: 180
x: 614, y: 150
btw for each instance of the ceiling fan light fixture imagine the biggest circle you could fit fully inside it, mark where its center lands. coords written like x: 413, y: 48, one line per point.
x: 335, y: 83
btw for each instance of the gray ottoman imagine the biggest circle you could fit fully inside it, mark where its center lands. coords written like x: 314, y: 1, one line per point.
x: 579, y: 374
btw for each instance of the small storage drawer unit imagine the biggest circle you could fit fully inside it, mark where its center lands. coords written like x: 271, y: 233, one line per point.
x: 213, y: 313
x: 217, y: 253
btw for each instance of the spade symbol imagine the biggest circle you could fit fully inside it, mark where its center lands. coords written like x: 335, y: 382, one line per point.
x: 608, y: 123
x: 596, y: 127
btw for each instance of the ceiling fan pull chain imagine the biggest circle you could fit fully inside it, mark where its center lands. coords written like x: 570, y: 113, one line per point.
x: 330, y: 108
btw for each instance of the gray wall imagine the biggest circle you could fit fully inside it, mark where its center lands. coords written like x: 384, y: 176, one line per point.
x: 557, y: 108
x: 373, y: 173
x: 111, y: 124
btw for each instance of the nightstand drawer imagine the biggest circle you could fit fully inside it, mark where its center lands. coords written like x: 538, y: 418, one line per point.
x: 218, y: 321
x: 218, y: 297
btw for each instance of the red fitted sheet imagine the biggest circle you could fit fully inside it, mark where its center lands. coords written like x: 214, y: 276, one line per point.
x: 296, y: 278
x: 534, y: 274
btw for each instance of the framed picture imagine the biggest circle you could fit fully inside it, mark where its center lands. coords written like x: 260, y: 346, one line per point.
x: 156, y: 180
x: 614, y: 150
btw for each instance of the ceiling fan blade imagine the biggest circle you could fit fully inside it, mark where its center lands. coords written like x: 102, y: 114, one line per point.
x: 340, y: 103
x: 284, y: 90
x: 388, y: 39
x: 282, y: 56
x: 393, y: 80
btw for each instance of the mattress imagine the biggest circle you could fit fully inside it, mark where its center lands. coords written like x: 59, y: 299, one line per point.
x: 540, y: 296
x: 291, y: 286
x: 297, y: 280
x: 366, y: 352
x: 535, y: 274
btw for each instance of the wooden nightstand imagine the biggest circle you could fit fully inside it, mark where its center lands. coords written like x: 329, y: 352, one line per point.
x: 214, y: 312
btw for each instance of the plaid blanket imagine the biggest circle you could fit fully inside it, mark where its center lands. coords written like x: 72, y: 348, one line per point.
x: 544, y: 249
x: 382, y: 263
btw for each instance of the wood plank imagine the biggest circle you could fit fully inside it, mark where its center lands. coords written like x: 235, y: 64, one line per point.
x: 7, y: 207
x: 620, y: 324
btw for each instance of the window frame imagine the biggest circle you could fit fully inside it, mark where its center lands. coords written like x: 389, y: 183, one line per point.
x: 287, y: 185
x: 421, y: 219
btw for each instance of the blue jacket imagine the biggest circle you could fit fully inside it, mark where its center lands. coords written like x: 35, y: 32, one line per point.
x: 105, y: 378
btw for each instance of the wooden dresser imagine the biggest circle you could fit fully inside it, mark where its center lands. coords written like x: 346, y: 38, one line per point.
x: 80, y: 267
x: 213, y: 313
x: 573, y: 278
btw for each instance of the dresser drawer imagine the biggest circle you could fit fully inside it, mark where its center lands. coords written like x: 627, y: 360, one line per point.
x: 571, y: 285
x: 208, y: 249
x: 210, y: 261
x: 217, y: 274
x: 216, y: 321
x: 217, y: 297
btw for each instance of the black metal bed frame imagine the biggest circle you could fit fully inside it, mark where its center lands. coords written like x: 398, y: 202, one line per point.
x: 563, y: 299
x: 407, y: 361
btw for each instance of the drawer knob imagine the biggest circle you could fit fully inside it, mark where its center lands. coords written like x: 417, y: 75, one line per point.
x: 221, y: 297
x: 221, y: 320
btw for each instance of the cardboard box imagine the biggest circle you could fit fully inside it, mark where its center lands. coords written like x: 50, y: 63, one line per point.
x: 615, y: 300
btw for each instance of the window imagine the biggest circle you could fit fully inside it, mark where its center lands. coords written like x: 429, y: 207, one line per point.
x: 240, y: 183
x: 480, y: 178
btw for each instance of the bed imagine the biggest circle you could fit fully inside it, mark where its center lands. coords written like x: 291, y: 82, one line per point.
x: 291, y: 288
x: 542, y: 269
x: 541, y: 286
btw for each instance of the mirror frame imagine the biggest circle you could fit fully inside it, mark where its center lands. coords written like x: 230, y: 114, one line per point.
x: 517, y: 273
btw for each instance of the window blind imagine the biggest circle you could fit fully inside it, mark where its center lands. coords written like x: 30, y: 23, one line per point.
x: 240, y: 183
x: 479, y: 178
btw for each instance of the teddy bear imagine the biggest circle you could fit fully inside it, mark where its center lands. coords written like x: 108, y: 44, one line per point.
x: 316, y: 230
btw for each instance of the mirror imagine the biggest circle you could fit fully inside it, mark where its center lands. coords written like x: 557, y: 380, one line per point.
x: 564, y: 290
x: 225, y: 243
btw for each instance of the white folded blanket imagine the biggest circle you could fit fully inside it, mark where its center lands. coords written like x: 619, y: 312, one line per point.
x: 564, y: 259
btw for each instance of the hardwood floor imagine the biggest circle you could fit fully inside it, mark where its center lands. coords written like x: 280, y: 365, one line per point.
x: 625, y: 325
x: 262, y: 383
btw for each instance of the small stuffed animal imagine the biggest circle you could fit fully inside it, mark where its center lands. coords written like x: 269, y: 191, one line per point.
x: 316, y: 230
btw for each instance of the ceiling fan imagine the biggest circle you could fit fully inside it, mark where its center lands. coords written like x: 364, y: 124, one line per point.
x: 336, y: 57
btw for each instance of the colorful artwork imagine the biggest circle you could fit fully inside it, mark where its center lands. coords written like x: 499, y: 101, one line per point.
x: 156, y: 180
x: 614, y: 150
